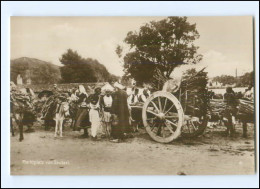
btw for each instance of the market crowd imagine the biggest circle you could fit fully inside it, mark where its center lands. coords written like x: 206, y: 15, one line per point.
x: 105, y: 113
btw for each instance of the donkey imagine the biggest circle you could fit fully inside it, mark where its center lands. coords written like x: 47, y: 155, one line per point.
x: 62, y: 111
x: 21, y: 107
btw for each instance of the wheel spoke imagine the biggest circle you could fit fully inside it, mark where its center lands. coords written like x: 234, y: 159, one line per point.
x: 171, y: 123
x: 151, y: 112
x: 160, y: 105
x: 155, y: 106
x: 165, y: 103
x: 169, y: 128
x: 169, y: 109
x: 173, y: 116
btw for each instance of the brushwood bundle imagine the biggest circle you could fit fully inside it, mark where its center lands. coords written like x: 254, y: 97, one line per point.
x: 192, y: 92
x: 246, y: 107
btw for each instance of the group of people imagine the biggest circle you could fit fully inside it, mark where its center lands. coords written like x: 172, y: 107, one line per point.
x: 105, y: 111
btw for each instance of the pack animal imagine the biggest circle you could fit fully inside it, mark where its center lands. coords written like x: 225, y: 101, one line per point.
x: 62, y: 111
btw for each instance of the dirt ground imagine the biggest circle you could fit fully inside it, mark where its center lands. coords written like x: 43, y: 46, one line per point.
x: 210, y: 154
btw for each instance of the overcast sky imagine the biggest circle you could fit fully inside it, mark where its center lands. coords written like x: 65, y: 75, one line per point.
x: 226, y: 43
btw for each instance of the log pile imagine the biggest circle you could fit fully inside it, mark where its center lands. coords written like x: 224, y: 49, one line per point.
x: 217, y: 105
x: 246, y: 107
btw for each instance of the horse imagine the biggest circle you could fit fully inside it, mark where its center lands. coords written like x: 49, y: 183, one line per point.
x: 62, y: 111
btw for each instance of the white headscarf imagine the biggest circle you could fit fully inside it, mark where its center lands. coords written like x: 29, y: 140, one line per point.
x: 82, y: 90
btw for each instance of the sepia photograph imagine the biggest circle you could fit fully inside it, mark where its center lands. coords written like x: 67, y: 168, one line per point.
x: 132, y: 95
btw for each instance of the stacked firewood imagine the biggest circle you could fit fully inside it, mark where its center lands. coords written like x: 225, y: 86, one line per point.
x: 20, y: 101
x: 194, y: 95
x: 217, y: 105
x: 192, y: 92
x: 246, y: 107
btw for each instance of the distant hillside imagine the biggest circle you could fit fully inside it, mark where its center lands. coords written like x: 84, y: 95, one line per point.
x: 38, y: 71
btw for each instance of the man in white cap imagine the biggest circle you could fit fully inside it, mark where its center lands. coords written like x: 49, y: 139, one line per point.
x: 120, y: 112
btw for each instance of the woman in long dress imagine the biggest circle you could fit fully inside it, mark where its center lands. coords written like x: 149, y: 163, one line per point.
x: 94, y: 118
x: 82, y: 116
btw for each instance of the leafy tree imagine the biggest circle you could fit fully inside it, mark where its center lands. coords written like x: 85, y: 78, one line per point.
x: 113, y: 78
x: 80, y: 70
x: 162, y: 45
x: 225, y: 79
x: 70, y: 58
x: 242, y: 81
x: 246, y: 80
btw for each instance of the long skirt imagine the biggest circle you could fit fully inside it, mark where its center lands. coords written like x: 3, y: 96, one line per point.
x: 82, y: 118
x: 95, y: 121
x: 116, y: 129
x: 119, y: 127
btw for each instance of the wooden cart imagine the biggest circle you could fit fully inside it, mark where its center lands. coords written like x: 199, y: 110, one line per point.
x: 166, y: 117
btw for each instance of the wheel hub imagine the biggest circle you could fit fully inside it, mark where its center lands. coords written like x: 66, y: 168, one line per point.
x: 161, y: 115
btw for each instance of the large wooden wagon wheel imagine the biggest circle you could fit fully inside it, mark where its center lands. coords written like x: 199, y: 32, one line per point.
x: 163, y: 117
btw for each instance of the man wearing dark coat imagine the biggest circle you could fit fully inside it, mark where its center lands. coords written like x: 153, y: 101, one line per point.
x: 230, y: 110
x: 120, y: 113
